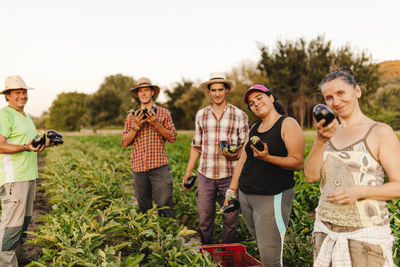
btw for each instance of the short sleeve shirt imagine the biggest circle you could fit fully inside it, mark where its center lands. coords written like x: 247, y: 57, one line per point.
x: 18, y: 129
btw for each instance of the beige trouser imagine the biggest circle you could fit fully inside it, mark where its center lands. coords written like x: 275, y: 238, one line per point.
x: 361, y: 254
x: 17, y: 206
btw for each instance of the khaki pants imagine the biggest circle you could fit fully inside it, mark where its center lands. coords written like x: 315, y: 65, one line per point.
x: 361, y: 254
x: 17, y: 206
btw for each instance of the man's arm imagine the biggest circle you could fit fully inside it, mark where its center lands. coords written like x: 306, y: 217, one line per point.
x: 194, y: 156
x: 131, y: 129
x: 6, y: 148
x: 168, y: 131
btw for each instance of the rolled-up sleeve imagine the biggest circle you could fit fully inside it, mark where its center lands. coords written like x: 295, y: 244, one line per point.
x: 169, y: 125
x: 243, y: 130
x: 130, y: 119
x: 197, y: 137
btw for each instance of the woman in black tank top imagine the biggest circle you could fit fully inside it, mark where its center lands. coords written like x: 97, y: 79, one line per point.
x: 264, y: 176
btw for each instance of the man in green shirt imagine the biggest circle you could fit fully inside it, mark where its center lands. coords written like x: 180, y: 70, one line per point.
x: 18, y: 168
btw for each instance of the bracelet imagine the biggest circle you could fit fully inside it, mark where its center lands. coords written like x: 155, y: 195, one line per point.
x: 231, y: 193
x: 26, y: 147
x: 136, y: 128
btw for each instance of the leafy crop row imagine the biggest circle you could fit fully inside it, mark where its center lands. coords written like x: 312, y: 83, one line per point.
x: 93, y: 222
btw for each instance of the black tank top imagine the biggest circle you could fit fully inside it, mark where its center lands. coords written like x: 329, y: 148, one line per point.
x: 263, y: 178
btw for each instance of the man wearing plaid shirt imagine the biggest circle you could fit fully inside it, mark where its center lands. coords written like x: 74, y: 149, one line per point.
x: 217, y: 122
x: 147, y: 133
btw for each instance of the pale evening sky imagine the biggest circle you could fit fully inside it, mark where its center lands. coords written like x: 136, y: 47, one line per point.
x: 64, y: 46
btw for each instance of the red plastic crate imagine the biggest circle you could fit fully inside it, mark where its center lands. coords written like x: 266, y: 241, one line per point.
x: 230, y: 255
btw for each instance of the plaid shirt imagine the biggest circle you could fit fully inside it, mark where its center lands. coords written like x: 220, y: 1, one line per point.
x: 148, y: 146
x: 231, y: 127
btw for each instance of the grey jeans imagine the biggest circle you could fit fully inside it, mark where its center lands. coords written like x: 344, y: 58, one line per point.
x: 157, y: 181
x: 266, y: 217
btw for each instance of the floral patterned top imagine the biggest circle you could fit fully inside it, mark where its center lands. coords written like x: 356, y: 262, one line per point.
x: 353, y: 165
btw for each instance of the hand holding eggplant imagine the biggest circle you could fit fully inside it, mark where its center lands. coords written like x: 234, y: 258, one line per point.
x: 189, y: 182
x: 322, y: 111
x: 260, y: 149
x: 229, y: 151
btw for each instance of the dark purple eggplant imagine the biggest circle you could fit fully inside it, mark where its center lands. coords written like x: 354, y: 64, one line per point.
x: 231, y: 207
x: 39, y: 139
x: 190, y: 182
x: 55, y: 138
x: 231, y: 149
x: 145, y: 112
x: 257, y: 143
x: 322, y: 111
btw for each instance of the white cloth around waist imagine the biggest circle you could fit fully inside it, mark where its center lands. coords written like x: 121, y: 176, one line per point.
x: 335, y: 247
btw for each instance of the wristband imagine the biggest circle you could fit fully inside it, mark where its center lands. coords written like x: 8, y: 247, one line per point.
x: 26, y: 147
x: 231, y: 193
x: 136, y: 128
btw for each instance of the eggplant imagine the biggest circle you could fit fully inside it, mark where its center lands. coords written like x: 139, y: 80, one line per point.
x: 145, y: 111
x: 190, y: 182
x: 55, y: 138
x: 322, y: 111
x: 231, y: 149
x: 257, y: 143
x: 231, y: 207
x: 39, y: 139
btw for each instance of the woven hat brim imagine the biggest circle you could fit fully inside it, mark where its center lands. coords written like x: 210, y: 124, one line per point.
x: 26, y: 88
x: 154, y: 87
x: 205, y: 85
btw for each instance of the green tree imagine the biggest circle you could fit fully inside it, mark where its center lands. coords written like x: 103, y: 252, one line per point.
x: 244, y: 76
x: 40, y: 122
x: 109, y: 105
x: 183, y: 102
x: 66, y: 111
x: 294, y: 70
x: 388, y: 97
x: 104, y: 108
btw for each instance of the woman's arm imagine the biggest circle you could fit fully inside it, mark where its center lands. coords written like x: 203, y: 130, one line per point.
x: 313, y: 163
x: 293, y: 138
x: 234, y: 185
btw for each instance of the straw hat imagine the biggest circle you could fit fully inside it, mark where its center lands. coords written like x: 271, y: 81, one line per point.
x: 15, y: 82
x: 145, y: 82
x: 217, y: 77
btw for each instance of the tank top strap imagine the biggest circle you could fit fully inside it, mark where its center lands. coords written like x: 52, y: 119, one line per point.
x: 369, y: 131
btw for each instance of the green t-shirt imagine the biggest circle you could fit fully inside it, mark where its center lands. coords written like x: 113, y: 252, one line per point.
x: 18, y: 129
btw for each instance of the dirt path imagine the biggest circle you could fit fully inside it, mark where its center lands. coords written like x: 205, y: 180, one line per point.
x: 40, y: 208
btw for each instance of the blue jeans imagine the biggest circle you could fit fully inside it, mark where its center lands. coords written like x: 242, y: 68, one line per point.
x: 158, y: 182
x: 208, y: 191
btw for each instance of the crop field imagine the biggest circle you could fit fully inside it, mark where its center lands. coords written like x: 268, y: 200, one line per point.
x: 93, y: 220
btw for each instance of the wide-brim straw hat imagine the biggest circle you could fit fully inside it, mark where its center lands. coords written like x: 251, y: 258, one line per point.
x: 145, y: 82
x: 217, y: 77
x: 15, y: 82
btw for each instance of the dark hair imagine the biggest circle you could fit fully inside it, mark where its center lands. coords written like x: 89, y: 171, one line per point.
x: 278, y: 106
x: 6, y: 93
x: 225, y: 85
x: 344, y: 73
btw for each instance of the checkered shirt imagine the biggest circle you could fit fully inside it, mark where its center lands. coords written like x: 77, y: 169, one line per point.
x: 209, y: 131
x: 148, y: 146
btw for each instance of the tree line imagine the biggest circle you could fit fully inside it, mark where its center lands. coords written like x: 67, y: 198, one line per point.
x: 293, y: 69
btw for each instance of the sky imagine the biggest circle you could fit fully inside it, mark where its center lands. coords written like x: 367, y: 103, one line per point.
x: 71, y: 46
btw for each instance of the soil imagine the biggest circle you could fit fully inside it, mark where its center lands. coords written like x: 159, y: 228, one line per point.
x: 40, y: 207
